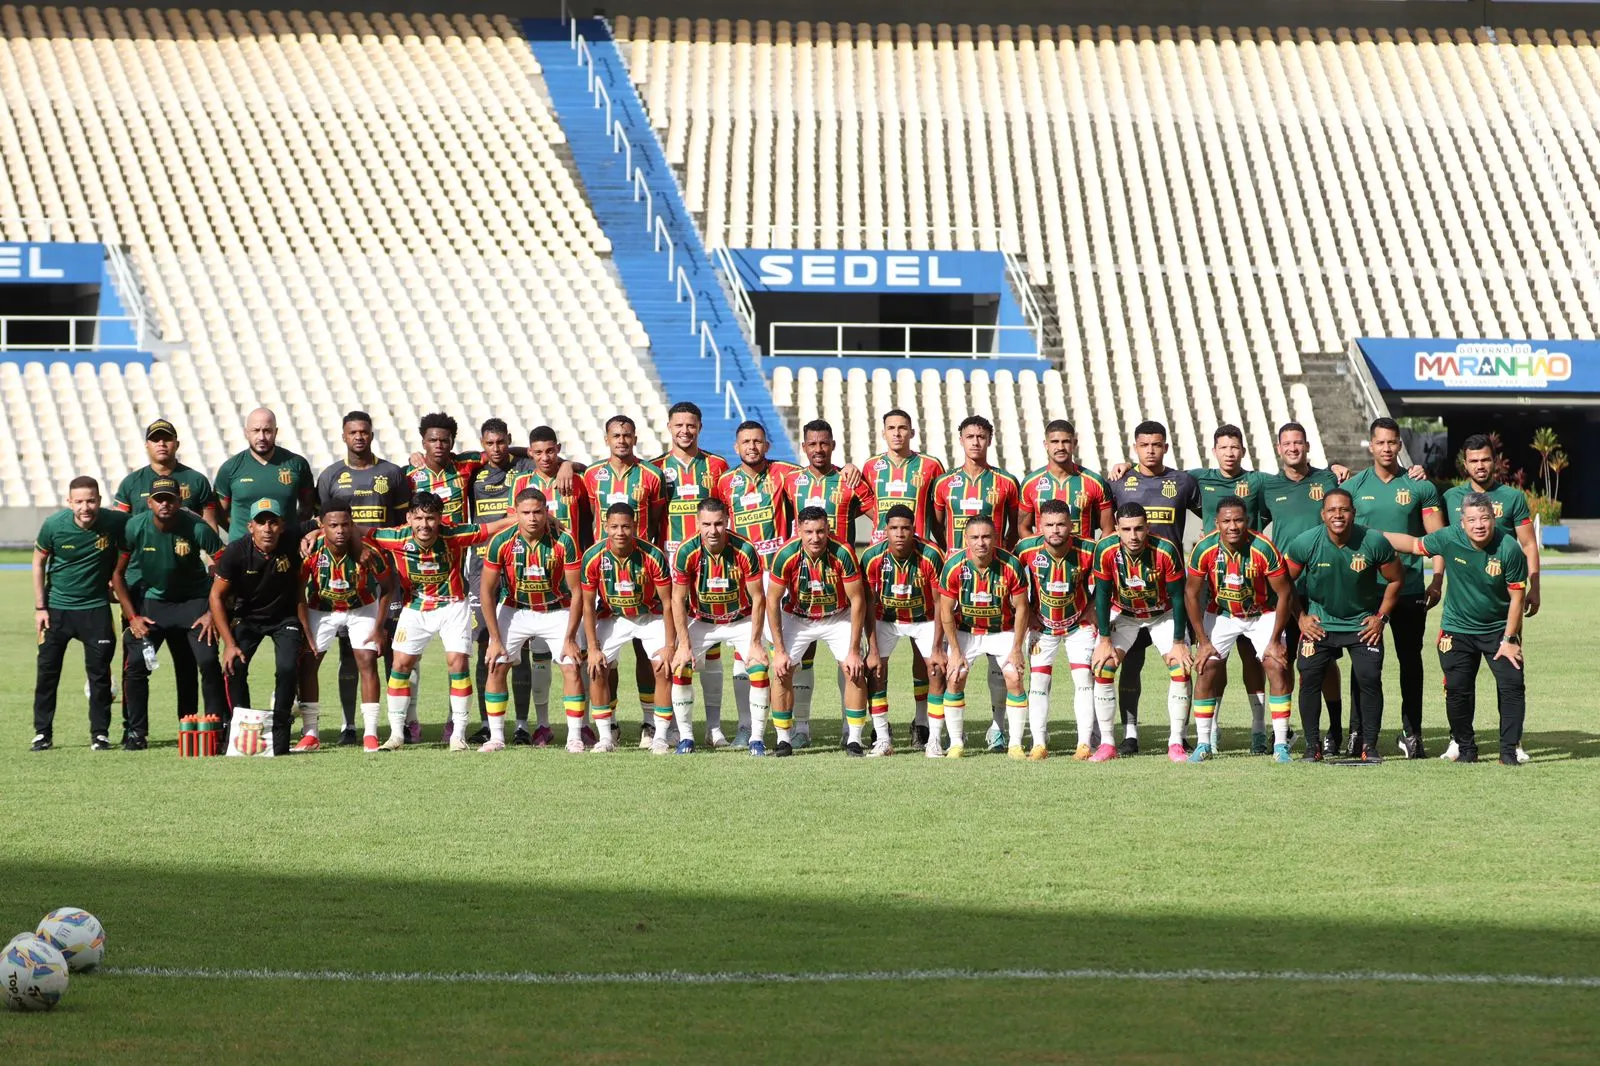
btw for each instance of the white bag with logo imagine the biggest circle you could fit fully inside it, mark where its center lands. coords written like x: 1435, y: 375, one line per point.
x: 251, y: 733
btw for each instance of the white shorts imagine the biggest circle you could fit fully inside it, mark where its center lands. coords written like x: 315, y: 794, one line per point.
x: 1224, y: 631
x: 974, y: 646
x: 544, y: 630
x: 834, y: 631
x: 921, y: 634
x: 359, y: 625
x: 450, y: 622
x: 617, y: 633
x: 703, y: 636
x: 1078, y: 644
x: 1125, y: 630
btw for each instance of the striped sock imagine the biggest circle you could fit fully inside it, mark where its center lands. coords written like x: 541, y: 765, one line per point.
x: 575, y: 707
x: 1280, y: 707
x: 878, y: 705
x: 604, y: 719
x: 1177, y: 703
x: 494, y: 703
x: 399, y: 699
x: 461, y: 701
x: 760, y: 700
x: 1016, y: 717
x: 936, y: 718
x: 1205, y: 710
x: 1105, y: 705
x: 855, y: 720
x: 919, y: 693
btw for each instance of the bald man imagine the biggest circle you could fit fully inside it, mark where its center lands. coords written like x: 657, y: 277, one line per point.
x: 264, y: 471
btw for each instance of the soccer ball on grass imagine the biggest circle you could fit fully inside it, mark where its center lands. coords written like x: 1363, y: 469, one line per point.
x: 33, y: 974
x: 77, y: 934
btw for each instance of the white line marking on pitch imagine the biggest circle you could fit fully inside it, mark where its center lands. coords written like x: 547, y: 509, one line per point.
x: 682, y: 977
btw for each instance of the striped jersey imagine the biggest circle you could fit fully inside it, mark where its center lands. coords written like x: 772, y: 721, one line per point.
x: 533, y: 571
x: 450, y: 483
x: 688, y: 483
x: 959, y: 497
x: 341, y: 583
x: 626, y: 586
x: 907, y: 481
x: 903, y: 590
x: 757, y: 505
x: 1083, y: 491
x: 807, y: 488
x: 1138, y: 582
x: 642, y: 485
x: 1237, y: 581
x: 716, y: 580
x: 431, y: 574
x: 814, y: 585
x: 1060, y: 585
x: 982, y: 594
x: 564, y: 509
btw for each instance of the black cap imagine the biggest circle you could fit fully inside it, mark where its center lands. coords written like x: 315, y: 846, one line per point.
x: 158, y: 427
x: 165, y: 486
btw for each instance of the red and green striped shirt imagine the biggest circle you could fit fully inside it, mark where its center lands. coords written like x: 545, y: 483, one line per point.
x: 959, y: 497
x: 564, y: 510
x: 1237, y: 582
x: 907, y: 482
x: 1083, y: 491
x: 983, y: 594
x: 1138, y: 582
x: 628, y: 586
x: 688, y: 484
x: 642, y: 485
x: 533, y: 572
x: 814, y: 585
x: 432, y: 574
x: 757, y: 506
x: 806, y: 488
x: 450, y: 483
x: 341, y: 583
x: 903, y: 590
x: 1060, y: 584
x: 716, y: 580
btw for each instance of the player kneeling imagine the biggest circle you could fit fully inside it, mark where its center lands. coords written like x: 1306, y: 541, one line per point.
x: 347, y: 594
x: 625, y: 588
x: 1238, y: 587
x: 531, y: 575
x: 717, y: 598
x: 1061, y: 567
x: 1138, y: 584
x: 983, y: 610
x: 814, y: 580
x: 902, y: 574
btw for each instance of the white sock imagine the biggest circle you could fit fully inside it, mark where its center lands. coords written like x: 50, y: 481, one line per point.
x: 539, y: 671
x: 1105, y: 709
x: 416, y: 694
x: 1202, y: 729
x: 853, y: 736
x: 921, y: 716
x: 1258, y: 712
x: 1177, y: 711
x: 805, y: 680
x: 741, y: 698
x: 757, y: 700
x: 310, y: 714
x: 602, y: 726
x: 955, y: 722
x: 369, y: 719
x: 497, y: 727
x: 1039, y: 684
x: 461, y: 713
x: 880, y: 726
x: 1016, y: 722
x: 997, y: 695
x: 1083, y: 703
x: 683, y: 711
x: 711, y: 692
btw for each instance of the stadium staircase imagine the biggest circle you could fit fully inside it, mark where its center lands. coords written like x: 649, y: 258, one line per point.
x: 1341, y: 421
x: 655, y: 247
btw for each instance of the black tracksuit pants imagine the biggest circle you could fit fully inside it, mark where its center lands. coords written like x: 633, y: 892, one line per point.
x: 1459, y: 656
x: 287, y: 642
x: 92, y: 627
x: 174, y: 627
x: 1366, y: 677
x: 1408, y: 629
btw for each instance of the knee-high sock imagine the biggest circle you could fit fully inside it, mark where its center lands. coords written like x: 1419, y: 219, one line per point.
x: 711, y: 684
x: 494, y: 705
x: 760, y: 700
x: 576, y: 708
x: 680, y: 713
x: 919, y: 692
x: 855, y: 721
x: 1281, y: 708
x: 522, y: 685
x: 878, y: 706
x: 955, y: 716
x: 1083, y: 702
x: 461, y: 701
x: 310, y: 716
x: 1105, y: 705
x: 539, y: 679
x: 604, y: 719
x: 997, y: 695
x: 1016, y: 717
x: 1177, y: 704
x: 369, y: 719
x: 1205, y: 710
x: 399, y: 699
x: 683, y: 704
x: 1258, y: 711
x: 1039, y: 683
x: 936, y: 720
x: 805, y: 681
x: 741, y: 694
x: 416, y: 692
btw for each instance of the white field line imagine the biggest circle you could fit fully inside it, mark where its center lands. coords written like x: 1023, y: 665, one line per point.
x: 682, y: 977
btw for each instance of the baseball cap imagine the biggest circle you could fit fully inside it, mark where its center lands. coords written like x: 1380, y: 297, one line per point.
x: 263, y: 507
x: 158, y: 427
x: 165, y: 486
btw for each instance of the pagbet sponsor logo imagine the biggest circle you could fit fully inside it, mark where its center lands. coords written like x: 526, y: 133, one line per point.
x: 1494, y: 366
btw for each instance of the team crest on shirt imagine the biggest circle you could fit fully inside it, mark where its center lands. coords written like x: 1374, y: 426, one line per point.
x: 1403, y: 497
x: 1079, y: 498
x: 180, y: 547
x: 1358, y: 562
x: 1308, y: 648
x: 1492, y: 568
x: 991, y: 497
x: 183, y: 494
x: 1241, y: 489
x: 1446, y: 641
x: 380, y: 484
x: 1499, y: 509
x: 1169, y: 489
x: 102, y: 543
x: 282, y: 566
x: 286, y: 476
x: 1316, y: 492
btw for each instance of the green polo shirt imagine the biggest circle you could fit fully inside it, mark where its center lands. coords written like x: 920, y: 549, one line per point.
x: 170, y: 566
x: 81, y: 560
x: 1478, y: 581
x: 1395, y: 506
x: 1510, y: 506
x: 285, y: 479
x: 1341, y: 583
x: 1249, y: 485
x: 195, y: 494
x: 1296, y: 506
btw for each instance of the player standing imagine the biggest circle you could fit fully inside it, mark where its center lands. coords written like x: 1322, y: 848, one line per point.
x: 1085, y: 493
x: 626, y: 585
x: 814, y: 579
x: 264, y: 471
x: 717, y: 597
x: 1061, y: 566
x: 194, y: 490
x: 1511, y: 515
x: 1238, y: 587
x: 1346, y: 606
x: 902, y: 574
x: 983, y: 610
x: 441, y: 473
x: 1391, y: 502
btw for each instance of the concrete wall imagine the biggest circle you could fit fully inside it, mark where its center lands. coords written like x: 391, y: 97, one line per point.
x: 20, y: 525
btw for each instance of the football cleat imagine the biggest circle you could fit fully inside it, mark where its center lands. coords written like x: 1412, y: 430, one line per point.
x: 853, y: 749
x: 933, y: 749
x: 802, y: 741
x: 1411, y: 747
x: 994, y: 738
x: 521, y: 738
x: 741, y: 739
x: 589, y: 735
x: 1468, y: 755
x: 659, y: 746
x: 1280, y: 753
x: 457, y: 741
x: 1510, y: 760
x: 1176, y: 753
x: 370, y: 743
x: 396, y: 741
x: 43, y: 743
x: 413, y: 733
x: 1129, y: 746
x: 756, y: 748
x: 605, y: 744
x: 448, y: 731
x: 1015, y: 751
x: 1104, y: 753
x: 919, y: 735
x: 1316, y: 754
x: 309, y: 742
x: 1523, y: 756
x: 132, y: 742
x: 880, y: 748
x: 1201, y: 753
x: 1452, y: 753
x: 955, y: 751
x: 647, y: 736
x: 1371, y: 756
x: 100, y: 743
x: 348, y: 737
x: 543, y: 737
x: 1040, y: 753
x: 481, y: 736
x: 1330, y: 747
x: 1081, y: 754
x: 1258, y: 744
x: 685, y: 747
x: 718, y: 741
x: 1352, y: 743
x: 575, y: 744
x: 783, y: 750
x: 492, y: 745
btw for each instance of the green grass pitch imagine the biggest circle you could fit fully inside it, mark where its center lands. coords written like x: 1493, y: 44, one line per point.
x: 429, y: 862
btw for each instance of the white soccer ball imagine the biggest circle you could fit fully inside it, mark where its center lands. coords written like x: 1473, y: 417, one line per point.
x: 33, y: 974
x: 77, y: 934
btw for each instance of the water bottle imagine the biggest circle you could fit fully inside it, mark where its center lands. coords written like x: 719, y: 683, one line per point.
x: 150, y: 660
